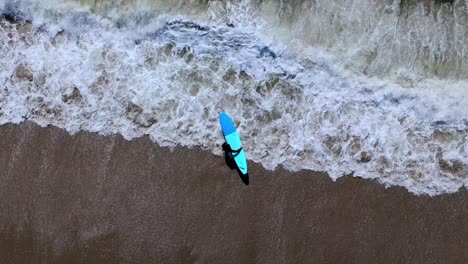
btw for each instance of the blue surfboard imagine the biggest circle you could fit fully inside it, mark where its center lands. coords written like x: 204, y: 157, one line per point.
x: 233, y: 139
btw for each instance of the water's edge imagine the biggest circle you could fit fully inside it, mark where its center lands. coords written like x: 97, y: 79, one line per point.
x: 122, y: 70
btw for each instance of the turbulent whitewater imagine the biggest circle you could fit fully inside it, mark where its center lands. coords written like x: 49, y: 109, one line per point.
x: 377, y: 89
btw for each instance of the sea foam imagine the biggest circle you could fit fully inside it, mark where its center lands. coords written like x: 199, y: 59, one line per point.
x: 168, y: 76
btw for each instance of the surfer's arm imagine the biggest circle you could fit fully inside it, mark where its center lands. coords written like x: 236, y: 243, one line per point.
x: 237, y: 151
x: 227, y: 147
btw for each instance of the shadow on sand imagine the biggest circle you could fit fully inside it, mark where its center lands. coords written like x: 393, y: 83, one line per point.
x: 232, y: 165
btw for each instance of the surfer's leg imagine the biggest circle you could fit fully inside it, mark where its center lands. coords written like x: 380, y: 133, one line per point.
x: 228, y: 157
x: 230, y: 161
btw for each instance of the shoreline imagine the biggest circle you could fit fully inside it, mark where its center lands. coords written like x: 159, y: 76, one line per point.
x: 91, y: 198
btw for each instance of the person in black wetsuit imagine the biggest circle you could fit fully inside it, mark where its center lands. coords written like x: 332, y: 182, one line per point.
x: 229, y: 155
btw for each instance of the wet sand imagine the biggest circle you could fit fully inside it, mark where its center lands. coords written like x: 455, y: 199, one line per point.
x: 101, y: 199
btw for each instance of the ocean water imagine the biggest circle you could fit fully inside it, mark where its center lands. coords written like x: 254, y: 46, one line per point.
x: 376, y: 89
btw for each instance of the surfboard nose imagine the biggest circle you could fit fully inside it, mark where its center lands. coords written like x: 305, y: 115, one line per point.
x: 226, y: 123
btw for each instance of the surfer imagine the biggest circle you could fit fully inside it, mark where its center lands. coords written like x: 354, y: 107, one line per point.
x: 235, y: 158
x: 229, y: 155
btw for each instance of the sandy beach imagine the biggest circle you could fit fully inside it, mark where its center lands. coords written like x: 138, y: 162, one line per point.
x: 88, y: 198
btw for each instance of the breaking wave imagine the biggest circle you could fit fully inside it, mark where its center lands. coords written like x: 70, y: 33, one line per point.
x: 318, y: 85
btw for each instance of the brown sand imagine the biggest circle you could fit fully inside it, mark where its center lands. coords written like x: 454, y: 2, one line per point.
x: 102, y: 199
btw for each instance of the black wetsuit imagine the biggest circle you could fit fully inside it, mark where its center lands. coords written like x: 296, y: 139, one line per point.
x: 228, y: 155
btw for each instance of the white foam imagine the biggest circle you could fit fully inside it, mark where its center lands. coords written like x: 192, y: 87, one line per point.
x: 169, y: 78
